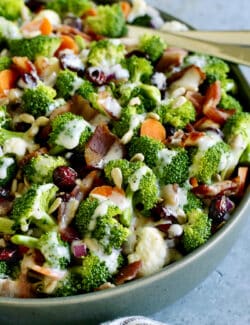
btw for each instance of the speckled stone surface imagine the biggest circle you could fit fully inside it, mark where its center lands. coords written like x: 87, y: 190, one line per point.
x: 224, y: 297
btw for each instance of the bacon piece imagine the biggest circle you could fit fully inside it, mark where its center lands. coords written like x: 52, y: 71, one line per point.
x: 196, y: 99
x: 102, y: 147
x: 71, y: 31
x: 20, y: 288
x: 26, y: 69
x: 172, y: 57
x: 227, y: 187
x: 128, y: 272
x: 206, y: 123
x: 82, y: 107
x: 242, y: 174
x: 190, y: 78
x: 29, y: 156
x: 61, y: 110
x: 212, y: 99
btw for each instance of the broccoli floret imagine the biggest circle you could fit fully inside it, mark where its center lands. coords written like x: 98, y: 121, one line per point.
x: 96, y: 219
x: 206, y: 163
x: 5, y: 62
x: 68, y: 132
x: 6, y: 226
x: 193, y: 202
x: 5, y: 118
x: 144, y: 186
x: 11, y: 9
x: 237, y: 134
x: 245, y: 157
x: 92, y: 273
x: 15, y: 142
x: 215, y: 68
x: 123, y: 165
x: 8, y: 168
x: 69, y: 285
x: 196, y: 231
x: 55, y: 251
x: 67, y: 83
x: 140, y: 69
x: 152, y: 45
x: 8, y: 29
x: 87, y: 91
x: 130, y: 120
x: 40, y: 169
x: 41, y: 45
x: 150, y: 96
x: 63, y: 7
x: 108, y: 21
x: 38, y: 101
x: 178, y: 116
x: 105, y: 53
x: 33, y: 206
x: 149, y: 147
x: 4, y: 269
x: 172, y: 166
x: 229, y: 102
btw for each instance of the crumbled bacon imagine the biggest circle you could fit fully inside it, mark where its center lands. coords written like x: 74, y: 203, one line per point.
x: 29, y: 156
x: 206, y: 123
x: 128, y: 272
x: 82, y: 107
x: 61, y: 110
x: 26, y: 69
x: 172, y: 57
x: 71, y: 31
x: 196, y: 99
x: 227, y: 187
x: 212, y: 99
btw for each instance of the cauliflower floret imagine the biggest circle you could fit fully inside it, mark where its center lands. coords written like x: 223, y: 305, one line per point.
x: 151, y: 250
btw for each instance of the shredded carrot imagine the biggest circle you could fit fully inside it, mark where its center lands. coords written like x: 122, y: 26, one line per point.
x: 43, y: 25
x: 193, y: 181
x: 68, y: 43
x: 242, y: 173
x: 126, y: 8
x: 90, y: 12
x: 153, y: 129
x: 106, y: 191
x: 7, y: 81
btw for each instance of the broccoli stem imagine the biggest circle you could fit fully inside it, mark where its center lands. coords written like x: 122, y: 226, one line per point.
x: 27, y: 241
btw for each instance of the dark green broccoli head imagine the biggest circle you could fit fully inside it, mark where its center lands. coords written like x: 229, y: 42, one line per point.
x: 41, y: 45
x: 196, y: 231
x: 84, y: 214
x: 63, y: 7
x: 153, y: 46
x: 5, y: 62
x: 40, y: 169
x: 206, y: 164
x: 11, y: 9
x: 193, y: 202
x: 150, y: 96
x: 4, y: 269
x: 123, y: 165
x: 172, y: 166
x: 5, y: 118
x: 68, y: 132
x: 130, y: 119
x: 229, y: 102
x: 149, y: 147
x: 105, y: 53
x: 92, y: 273
x: 178, y: 116
x: 86, y: 90
x: 33, y: 206
x: 143, y: 183
x: 66, y: 83
x: 140, y: 69
x: 69, y: 285
x: 8, y: 169
x: 109, y: 21
x: 39, y: 100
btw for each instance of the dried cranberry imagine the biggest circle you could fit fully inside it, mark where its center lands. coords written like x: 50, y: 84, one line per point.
x: 219, y: 209
x: 164, y: 227
x: 161, y: 212
x: 96, y: 75
x: 64, y: 177
x: 22, y: 127
x: 69, y: 234
x: 8, y: 253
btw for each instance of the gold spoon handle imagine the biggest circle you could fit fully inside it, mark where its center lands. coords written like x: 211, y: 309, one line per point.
x: 233, y: 53
x: 226, y: 37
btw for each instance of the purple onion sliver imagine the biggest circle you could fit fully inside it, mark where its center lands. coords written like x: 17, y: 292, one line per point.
x: 78, y: 248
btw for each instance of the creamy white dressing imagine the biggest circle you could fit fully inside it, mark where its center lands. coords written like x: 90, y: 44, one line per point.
x: 207, y: 141
x: 115, y: 152
x: 136, y: 177
x: 199, y: 61
x: 165, y: 156
x: 5, y: 163
x: 37, y: 213
x: 70, y: 136
x: 159, y: 79
x: 110, y: 105
x: 56, y: 103
x: 136, y: 120
x: 51, y: 15
x: 139, y: 8
x: 101, y: 210
x: 16, y: 146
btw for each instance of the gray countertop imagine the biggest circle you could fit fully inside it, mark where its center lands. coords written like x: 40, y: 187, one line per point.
x: 224, y: 297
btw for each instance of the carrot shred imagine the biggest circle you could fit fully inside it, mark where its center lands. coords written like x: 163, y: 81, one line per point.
x: 126, y: 8
x: 46, y: 27
x: 68, y: 43
x: 193, y: 181
x: 90, y: 12
x: 7, y: 81
x: 242, y: 174
x: 153, y: 129
x: 106, y: 191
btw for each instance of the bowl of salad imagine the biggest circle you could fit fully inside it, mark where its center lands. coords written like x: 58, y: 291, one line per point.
x: 123, y: 162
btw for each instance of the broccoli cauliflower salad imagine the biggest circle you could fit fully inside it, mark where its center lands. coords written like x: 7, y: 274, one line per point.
x: 117, y: 158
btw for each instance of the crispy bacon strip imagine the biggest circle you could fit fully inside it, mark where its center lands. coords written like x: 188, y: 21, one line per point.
x: 196, y: 99
x: 206, y: 123
x: 172, y: 57
x: 71, y: 31
x: 212, y: 99
x: 227, y: 187
x: 128, y: 272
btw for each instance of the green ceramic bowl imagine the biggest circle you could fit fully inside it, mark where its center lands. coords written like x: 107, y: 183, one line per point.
x: 144, y: 296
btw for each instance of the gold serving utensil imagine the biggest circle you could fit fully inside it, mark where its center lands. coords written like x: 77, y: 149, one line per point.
x: 233, y: 53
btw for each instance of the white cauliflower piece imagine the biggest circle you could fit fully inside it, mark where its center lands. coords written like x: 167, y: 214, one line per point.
x: 151, y: 250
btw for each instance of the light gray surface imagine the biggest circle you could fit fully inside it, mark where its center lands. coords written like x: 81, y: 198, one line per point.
x: 224, y: 297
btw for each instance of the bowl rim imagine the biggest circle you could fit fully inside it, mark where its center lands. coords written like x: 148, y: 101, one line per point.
x: 238, y: 214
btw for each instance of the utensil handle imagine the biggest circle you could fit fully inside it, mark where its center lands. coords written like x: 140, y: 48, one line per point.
x: 226, y: 37
x: 233, y: 53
